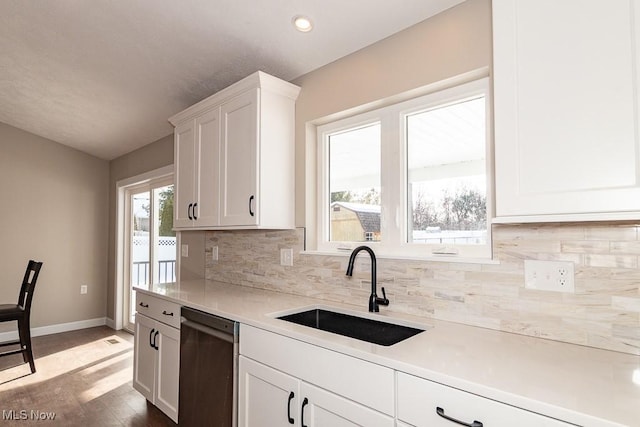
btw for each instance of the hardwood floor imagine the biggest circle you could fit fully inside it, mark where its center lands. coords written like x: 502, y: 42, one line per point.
x: 83, y: 378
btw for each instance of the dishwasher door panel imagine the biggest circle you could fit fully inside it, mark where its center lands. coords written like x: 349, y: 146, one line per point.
x: 206, y: 379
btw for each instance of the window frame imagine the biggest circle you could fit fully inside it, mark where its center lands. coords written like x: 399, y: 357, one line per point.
x: 393, y: 175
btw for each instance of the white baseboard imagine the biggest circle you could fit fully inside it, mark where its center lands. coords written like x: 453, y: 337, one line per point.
x: 56, y: 329
x: 110, y: 323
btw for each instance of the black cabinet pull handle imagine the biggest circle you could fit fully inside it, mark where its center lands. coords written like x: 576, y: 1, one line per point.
x: 195, y: 205
x: 440, y: 412
x: 189, y: 211
x: 167, y: 314
x: 151, y: 343
x: 157, y: 348
x: 305, y: 402
x: 251, y: 206
x: 291, y: 420
x: 143, y: 305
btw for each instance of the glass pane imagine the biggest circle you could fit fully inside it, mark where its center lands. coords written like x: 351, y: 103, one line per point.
x: 165, y: 242
x: 354, y: 184
x: 139, y: 250
x: 140, y: 212
x: 446, y: 150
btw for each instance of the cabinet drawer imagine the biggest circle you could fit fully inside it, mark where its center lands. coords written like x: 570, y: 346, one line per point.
x: 158, y: 309
x: 364, y: 382
x: 419, y: 400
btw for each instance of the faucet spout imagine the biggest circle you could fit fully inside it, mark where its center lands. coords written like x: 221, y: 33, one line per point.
x: 374, y: 300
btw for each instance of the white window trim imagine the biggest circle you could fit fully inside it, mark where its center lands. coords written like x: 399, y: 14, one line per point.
x: 394, y: 231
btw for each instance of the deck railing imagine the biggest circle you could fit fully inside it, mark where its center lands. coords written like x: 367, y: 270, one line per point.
x: 140, y: 272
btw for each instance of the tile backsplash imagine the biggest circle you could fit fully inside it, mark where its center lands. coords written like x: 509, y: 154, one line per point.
x: 604, y: 312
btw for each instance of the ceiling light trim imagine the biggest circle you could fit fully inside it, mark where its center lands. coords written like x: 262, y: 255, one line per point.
x: 302, y: 23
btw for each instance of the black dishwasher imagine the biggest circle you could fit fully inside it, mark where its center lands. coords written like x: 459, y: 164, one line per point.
x: 208, y: 370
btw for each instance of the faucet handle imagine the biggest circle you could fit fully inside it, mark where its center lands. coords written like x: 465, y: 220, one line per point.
x: 383, y: 300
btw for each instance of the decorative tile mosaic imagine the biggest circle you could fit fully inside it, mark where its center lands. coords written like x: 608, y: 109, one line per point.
x: 604, y: 312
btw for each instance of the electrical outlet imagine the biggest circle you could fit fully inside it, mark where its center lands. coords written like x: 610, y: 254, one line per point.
x: 214, y: 253
x: 184, y: 251
x: 83, y: 289
x: 286, y: 257
x: 555, y: 276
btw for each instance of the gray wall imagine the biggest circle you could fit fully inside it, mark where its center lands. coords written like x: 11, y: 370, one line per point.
x: 53, y: 208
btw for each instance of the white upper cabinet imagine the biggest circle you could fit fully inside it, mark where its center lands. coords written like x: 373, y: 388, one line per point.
x: 234, y: 157
x: 196, y: 154
x: 566, y: 110
x: 185, y: 164
x: 238, y: 171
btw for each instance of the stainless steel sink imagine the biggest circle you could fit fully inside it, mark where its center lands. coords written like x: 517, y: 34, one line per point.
x: 361, y: 328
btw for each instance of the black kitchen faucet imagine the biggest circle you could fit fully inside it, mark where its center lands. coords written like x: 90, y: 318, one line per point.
x: 374, y: 300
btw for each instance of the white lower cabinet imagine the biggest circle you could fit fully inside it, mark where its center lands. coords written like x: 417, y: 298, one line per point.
x: 267, y: 397
x: 284, y: 382
x: 423, y: 403
x: 272, y: 398
x: 156, y: 363
x: 321, y: 388
x: 320, y: 408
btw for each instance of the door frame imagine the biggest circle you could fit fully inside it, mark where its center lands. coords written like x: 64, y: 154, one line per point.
x: 121, y: 248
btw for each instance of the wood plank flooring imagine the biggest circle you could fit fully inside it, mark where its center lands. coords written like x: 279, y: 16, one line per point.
x: 83, y: 378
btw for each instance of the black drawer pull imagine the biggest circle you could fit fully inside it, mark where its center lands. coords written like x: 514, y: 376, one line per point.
x: 195, y: 205
x: 167, y: 314
x: 151, y: 341
x: 305, y: 402
x: 189, y: 211
x: 155, y: 344
x: 440, y: 412
x: 291, y: 420
x: 143, y: 305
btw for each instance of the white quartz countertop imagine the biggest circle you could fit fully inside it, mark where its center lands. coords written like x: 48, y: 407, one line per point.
x: 582, y: 385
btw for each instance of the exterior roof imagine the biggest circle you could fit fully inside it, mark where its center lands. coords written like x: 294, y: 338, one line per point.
x: 368, y: 215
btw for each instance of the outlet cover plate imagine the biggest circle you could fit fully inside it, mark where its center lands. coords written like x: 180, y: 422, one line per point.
x: 557, y: 276
x: 286, y: 257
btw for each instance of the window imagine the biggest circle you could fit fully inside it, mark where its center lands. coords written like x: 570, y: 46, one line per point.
x: 411, y: 178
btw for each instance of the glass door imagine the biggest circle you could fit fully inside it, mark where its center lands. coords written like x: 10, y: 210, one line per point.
x: 151, y: 242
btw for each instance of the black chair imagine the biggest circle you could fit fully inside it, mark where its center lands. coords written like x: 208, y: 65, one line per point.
x: 21, y: 312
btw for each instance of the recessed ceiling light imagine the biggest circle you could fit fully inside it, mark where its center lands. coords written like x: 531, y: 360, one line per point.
x: 302, y: 23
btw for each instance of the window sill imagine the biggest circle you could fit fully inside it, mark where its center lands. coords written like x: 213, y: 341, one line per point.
x: 431, y: 258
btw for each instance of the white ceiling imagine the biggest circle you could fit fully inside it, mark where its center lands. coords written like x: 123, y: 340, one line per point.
x: 103, y: 76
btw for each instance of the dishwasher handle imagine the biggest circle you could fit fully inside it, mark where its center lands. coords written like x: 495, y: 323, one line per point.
x: 209, y: 331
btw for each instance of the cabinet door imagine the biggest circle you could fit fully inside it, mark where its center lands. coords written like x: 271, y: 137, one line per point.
x: 144, y: 361
x: 266, y: 397
x: 185, y: 150
x: 424, y: 403
x: 566, y: 135
x: 168, y: 368
x: 239, y: 202
x: 207, y: 185
x: 320, y: 408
